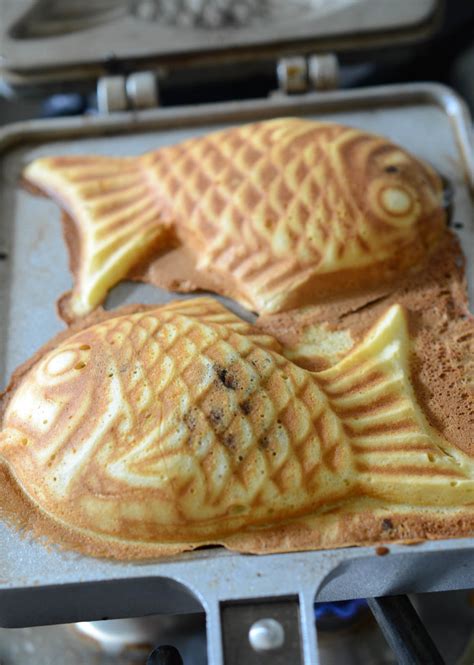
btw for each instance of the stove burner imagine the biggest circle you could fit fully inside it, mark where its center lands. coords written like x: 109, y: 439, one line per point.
x: 344, y: 609
x: 340, y: 614
x: 348, y: 633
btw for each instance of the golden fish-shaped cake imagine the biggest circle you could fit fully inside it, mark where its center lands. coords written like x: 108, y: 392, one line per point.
x: 172, y: 427
x: 274, y: 214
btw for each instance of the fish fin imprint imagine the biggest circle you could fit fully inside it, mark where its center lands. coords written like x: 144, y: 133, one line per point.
x: 398, y: 455
x: 209, y: 310
x: 113, y: 214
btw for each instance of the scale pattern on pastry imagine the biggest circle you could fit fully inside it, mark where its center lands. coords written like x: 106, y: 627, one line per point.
x: 275, y: 214
x: 181, y: 425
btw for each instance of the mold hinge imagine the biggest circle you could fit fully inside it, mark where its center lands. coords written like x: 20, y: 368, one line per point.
x: 298, y: 74
x: 124, y: 93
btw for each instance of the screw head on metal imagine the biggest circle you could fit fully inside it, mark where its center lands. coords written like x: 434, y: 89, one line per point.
x: 266, y: 635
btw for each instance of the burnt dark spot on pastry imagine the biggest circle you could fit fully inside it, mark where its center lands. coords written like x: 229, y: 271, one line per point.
x: 190, y: 421
x: 381, y: 550
x: 245, y: 407
x: 226, y: 378
x: 387, y: 524
x: 229, y: 441
x: 264, y: 442
x: 216, y: 416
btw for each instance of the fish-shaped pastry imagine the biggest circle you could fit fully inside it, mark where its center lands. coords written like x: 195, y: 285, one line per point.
x: 274, y: 214
x: 176, y: 426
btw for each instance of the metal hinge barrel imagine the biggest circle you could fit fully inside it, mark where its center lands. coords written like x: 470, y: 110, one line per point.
x: 123, y: 93
x: 299, y: 74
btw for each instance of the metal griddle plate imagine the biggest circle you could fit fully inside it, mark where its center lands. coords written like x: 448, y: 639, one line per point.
x: 40, y: 585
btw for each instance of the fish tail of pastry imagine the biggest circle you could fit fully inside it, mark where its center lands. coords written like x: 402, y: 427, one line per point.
x: 396, y: 454
x: 114, y: 220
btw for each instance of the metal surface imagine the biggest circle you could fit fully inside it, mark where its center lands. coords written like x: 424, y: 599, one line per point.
x: 323, y: 72
x: 142, y: 90
x: 76, y: 40
x: 292, y: 74
x: 404, y: 631
x: 120, y: 93
x: 267, y: 635
x: 39, y: 584
x: 298, y: 74
x: 261, y: 633
x: 112, y: 94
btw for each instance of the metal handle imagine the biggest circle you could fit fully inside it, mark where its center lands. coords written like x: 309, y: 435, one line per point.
x: 273, y: 630
x: 404, y: 631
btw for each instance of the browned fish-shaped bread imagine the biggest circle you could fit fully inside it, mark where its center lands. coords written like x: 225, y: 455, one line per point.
x: 160, y: 429
x: 441, y: 330
x: 275, y: 214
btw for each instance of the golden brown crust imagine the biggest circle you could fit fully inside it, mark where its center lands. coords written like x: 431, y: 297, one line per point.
x: 441, y: 284
x: 175, y: 270
x: 139, y: 272
x: 357, y: 519
x: 442, y: 330
x: 432, y: 291
x: 364, y: 522
x: 23, y: 369
x: 275, y: 214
